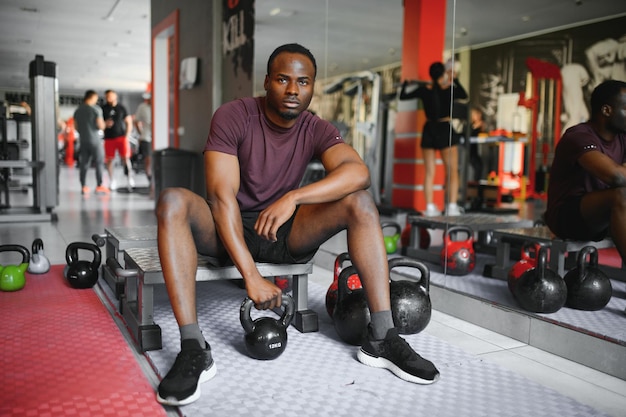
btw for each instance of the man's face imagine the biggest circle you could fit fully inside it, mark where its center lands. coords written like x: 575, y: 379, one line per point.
x: 111, y: 98
x: 288, y: 87
x: 616, y: 121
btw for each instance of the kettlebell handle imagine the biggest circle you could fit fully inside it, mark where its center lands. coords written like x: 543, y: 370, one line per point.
x: 460, y: 228
x: 246, y: 318
x: 582, y: 256
x: 71, y: 253
x: 342, y: 282
x: 17, y: 248
x: 542, y: 259
x: 37, y: 246
x: 526, y: 249
x: 395, y: 225
x: 340, y: 260
x: 412, y: 263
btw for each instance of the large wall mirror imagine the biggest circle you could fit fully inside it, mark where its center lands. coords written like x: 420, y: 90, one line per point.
x: 359, y: 80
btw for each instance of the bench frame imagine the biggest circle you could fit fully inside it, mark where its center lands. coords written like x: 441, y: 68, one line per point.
x: 140, y: 279
x: 481, y: 223
x: 562, y: 252
x: 134, y: 285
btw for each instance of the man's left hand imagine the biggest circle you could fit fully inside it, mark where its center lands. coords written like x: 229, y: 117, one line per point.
x: 273, y: 217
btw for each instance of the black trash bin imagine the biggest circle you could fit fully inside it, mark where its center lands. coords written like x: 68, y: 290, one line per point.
x: 178, y: 168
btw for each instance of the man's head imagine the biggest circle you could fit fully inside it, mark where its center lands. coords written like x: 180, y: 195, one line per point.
x: 291, y: 71
x: 111, y: 97
x: 91, y: 97
x: 293, y: 48
x: 608, y: 105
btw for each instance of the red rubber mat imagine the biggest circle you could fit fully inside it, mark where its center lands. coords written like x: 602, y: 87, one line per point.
x: 63, y: 355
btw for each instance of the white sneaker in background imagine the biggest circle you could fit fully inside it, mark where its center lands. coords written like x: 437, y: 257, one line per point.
x: 431, y: 210
x: 131, y: 183
x: 113, y: 185
x: 453, y: 210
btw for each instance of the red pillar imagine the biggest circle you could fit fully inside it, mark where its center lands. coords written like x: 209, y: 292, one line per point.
x: 423, y: 43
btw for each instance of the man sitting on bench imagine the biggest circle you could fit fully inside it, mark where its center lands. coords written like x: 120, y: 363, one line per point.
x: 587, y: 188
x: 255, y: 156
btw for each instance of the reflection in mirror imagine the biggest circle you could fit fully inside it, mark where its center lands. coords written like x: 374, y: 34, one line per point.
x: 362, y: 99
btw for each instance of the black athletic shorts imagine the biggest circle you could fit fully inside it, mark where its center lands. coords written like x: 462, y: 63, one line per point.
x: 568, y: 223
x: 436, y: 135
x: 273, y: 252
x: 145, y: 148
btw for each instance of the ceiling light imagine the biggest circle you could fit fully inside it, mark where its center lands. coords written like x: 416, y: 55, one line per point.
x: 275, y: 11
x: 525, y: 18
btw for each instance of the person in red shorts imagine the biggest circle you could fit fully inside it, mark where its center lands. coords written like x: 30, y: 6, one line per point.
x: 119, y: 125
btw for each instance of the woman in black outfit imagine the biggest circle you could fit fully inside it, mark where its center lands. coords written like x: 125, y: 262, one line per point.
x: 438, y: 133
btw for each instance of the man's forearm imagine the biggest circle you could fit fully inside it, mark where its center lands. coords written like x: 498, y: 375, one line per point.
x: 229, y: 228
x: 344, y: 180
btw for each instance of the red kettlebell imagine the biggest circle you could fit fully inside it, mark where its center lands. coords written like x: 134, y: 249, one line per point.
x: 354, y: 283
x: 528, y: 259
x: 457, y: 256
x: 405, y: 236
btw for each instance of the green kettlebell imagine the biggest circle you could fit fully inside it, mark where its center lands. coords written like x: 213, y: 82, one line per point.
x: 12, y: 277
x: 391, y: 241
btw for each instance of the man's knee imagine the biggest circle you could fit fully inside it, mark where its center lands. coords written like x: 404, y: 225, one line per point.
x: 172, y: 202
x: 360, y: 203
x: 620, y: 197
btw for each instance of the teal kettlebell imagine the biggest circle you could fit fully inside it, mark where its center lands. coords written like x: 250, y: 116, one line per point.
x: 12, y: 277
x: 391, y: 241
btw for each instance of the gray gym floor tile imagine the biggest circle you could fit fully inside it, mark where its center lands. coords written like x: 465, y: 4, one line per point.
x: 319, y: 375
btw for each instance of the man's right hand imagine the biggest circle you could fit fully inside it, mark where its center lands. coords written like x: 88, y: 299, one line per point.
x: 264, y: 294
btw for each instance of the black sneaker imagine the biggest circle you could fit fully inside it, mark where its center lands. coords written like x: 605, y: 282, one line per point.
x: 395, y: 354
x: 192, y: 367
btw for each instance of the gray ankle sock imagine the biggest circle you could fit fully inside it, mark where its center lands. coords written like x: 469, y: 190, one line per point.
x: 192, y: 331
x: 381, y: 322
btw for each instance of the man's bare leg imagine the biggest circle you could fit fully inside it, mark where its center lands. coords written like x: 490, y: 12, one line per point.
x: 185, y: 226
x: 598, y: 206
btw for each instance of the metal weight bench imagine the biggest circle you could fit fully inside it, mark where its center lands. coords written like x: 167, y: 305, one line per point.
x: 143, y: 272
x: 118, y: 239
x: 481, y: 223
x: 559, y: 260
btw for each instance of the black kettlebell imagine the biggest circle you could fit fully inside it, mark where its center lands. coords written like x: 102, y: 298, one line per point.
x: 540, y: 289
x: 351, y: 315
x: 410, y: 300
x: 458, y: 256
x: 588, y: 288
x: 266, y: 337
x: 81, y: 273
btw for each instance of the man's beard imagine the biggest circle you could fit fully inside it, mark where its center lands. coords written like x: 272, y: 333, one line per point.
x: 289, y: 115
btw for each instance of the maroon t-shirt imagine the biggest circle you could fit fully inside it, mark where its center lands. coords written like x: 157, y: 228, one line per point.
x: 272, y: 160
x: 567, y: 178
